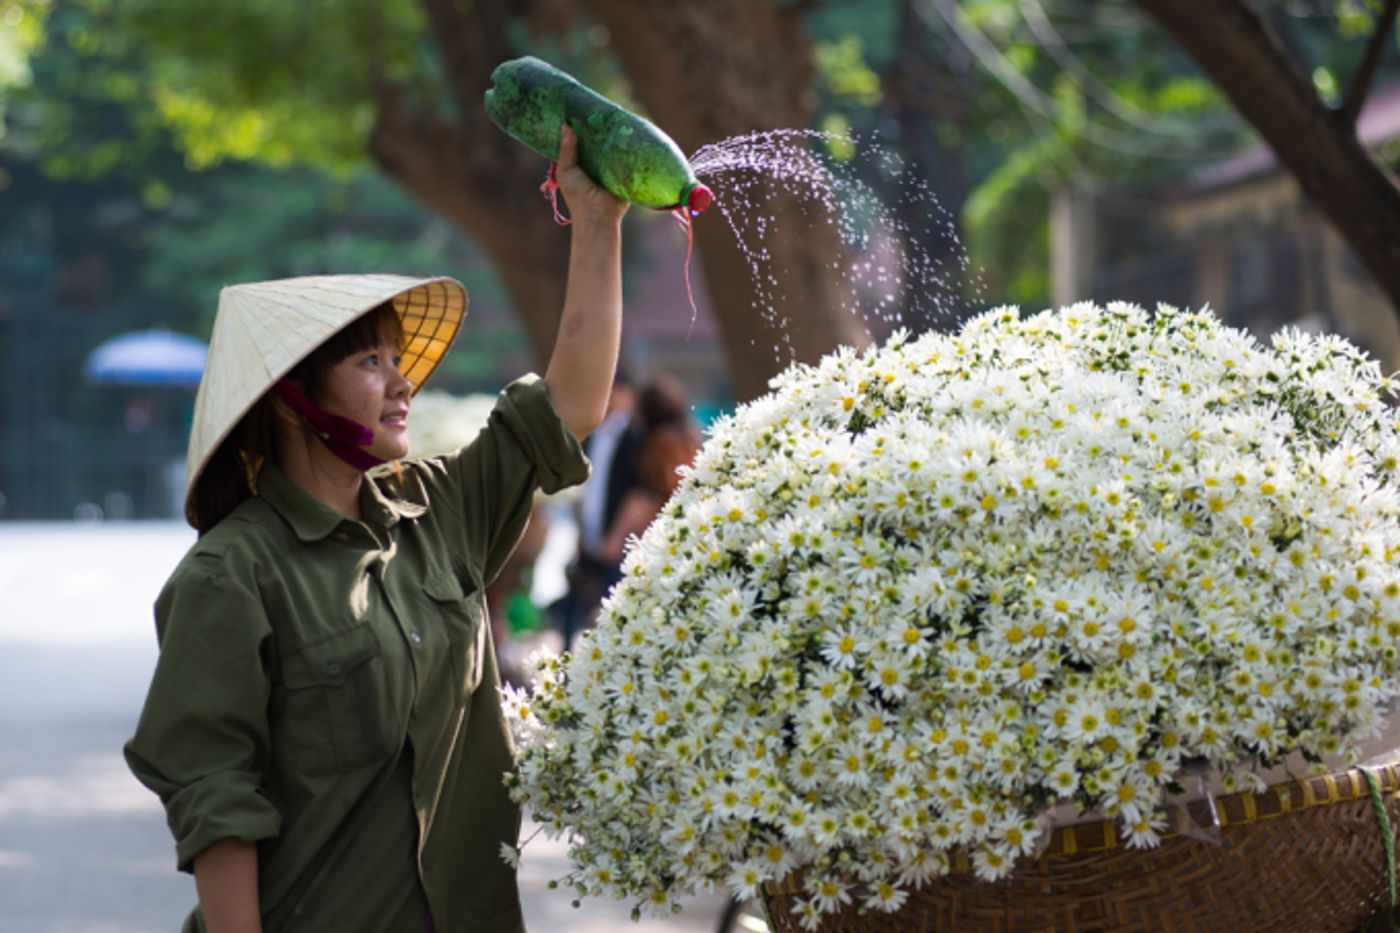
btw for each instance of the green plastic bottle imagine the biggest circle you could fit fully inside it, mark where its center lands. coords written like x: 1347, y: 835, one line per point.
x: 626, y: 154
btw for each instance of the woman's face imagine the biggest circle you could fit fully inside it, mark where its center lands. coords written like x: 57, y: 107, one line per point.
x: 367, y: 387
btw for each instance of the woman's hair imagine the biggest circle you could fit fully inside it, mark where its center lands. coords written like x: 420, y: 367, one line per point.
x: 231, y: 476
x: 663, y: 401
x: 670, y: 435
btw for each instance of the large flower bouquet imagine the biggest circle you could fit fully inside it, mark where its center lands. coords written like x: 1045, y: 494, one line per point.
x: 915, y: 597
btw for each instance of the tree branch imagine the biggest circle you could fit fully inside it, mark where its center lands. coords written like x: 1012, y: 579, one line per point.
x: 1361, y: 84
x: 1237, y: 51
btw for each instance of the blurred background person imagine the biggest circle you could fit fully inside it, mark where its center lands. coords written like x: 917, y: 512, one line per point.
x: 670, y: 439
x: 612, y: 448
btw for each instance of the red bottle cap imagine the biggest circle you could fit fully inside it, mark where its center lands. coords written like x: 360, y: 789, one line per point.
x: 699, y: 198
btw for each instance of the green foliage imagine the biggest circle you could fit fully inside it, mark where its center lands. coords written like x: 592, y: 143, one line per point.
x: 1072, y: 91
x: 278, y: 82
x: 854, y: 46
x: 1184, y: 95
x: 1356, y: 19
x: 1102, y: 95
x: 117, y: 184
x: 21, y: 32
x: 842, y: 64
x: 268, y: 80
x: 1325, y: 83
x: 82, y: 117
x: 839, y: 142
x: 1006, y: 219
x: 874, y: 26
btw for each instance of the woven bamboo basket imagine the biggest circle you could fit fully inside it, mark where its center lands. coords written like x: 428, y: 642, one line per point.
x: 1305, y: 856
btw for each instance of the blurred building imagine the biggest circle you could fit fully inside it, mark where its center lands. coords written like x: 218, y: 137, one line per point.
x: 1237, y: 235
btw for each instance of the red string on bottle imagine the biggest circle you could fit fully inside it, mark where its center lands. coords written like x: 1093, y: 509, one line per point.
x: 685, y: 219
x: 682, y: 213
x: 550, y: 189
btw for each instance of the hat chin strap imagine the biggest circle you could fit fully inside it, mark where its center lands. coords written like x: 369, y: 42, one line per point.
x: 342, y: 437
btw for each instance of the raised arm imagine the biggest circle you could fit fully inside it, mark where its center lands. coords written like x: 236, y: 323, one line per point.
x: 581, y: 369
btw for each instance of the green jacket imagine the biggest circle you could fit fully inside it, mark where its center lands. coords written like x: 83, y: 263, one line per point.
x: 327, y: 688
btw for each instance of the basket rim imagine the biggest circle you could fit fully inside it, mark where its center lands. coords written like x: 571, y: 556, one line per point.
x: 1237, y: 809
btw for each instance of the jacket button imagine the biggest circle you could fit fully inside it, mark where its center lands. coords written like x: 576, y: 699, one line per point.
x: 415, y: 638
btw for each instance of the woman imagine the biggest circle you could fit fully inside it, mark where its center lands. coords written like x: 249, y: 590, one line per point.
x: 323, y: 725
x: 670, y: 440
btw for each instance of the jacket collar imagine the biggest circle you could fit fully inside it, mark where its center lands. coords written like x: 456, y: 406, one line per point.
x: 384, y: 509
x: 313, y: 520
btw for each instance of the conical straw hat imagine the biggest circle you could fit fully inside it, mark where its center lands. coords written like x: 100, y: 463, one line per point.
x: 263, y: 329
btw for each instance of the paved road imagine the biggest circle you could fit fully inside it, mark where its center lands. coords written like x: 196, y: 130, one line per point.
x: 83, y: 847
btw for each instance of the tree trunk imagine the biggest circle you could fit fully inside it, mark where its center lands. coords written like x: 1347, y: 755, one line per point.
x: 709, y: 71
x: 471, y: 173
x: 1317, y: 145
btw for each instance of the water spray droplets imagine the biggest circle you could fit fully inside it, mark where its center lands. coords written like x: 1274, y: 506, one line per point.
x: 903, y: 267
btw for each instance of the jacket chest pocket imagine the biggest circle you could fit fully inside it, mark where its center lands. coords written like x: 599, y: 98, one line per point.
x: 337, y: 695
x: 459, y: 609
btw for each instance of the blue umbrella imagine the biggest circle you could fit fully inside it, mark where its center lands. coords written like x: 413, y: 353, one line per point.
x: 148, y: 358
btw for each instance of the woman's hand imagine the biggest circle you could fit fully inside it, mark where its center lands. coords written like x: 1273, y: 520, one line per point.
x: 589, y: 203
x: 580, y: 373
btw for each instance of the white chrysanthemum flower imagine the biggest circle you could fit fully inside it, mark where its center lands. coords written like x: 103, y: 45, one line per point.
x: 746, y: 877
x: 1143, y: 833
x: 830, y: 893
x: 886, y: 897
x: 917, y: 595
